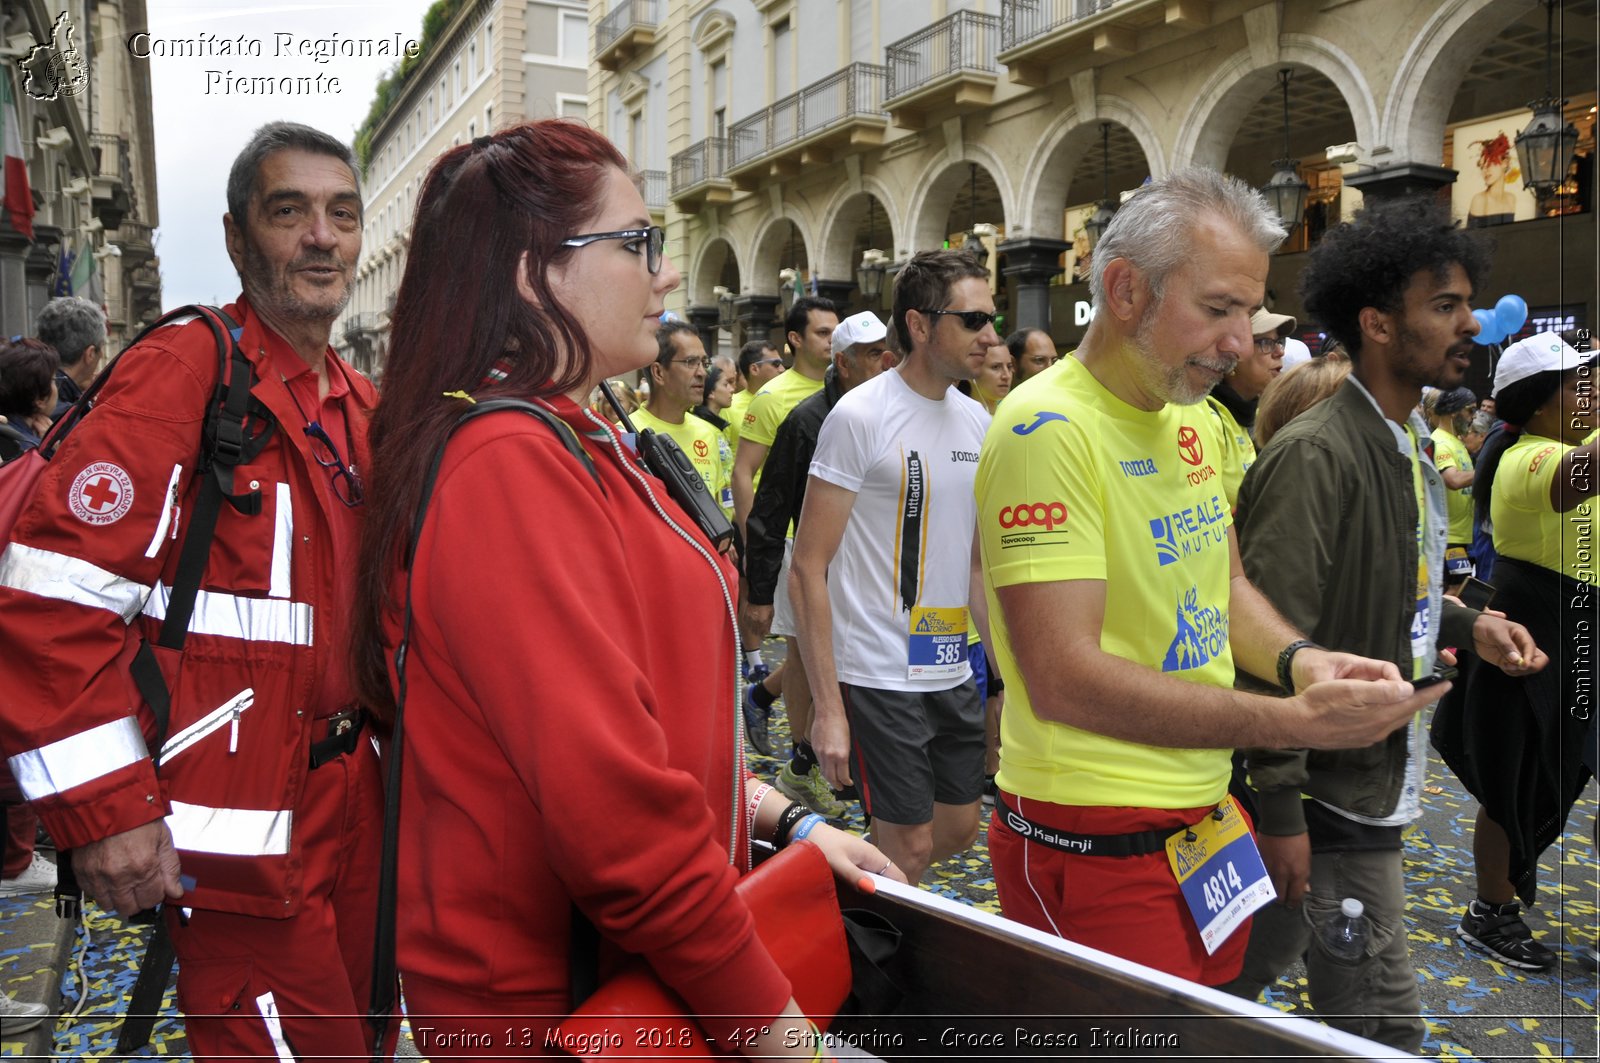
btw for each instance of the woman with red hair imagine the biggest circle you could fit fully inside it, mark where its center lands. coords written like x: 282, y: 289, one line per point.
x: 568, y: 753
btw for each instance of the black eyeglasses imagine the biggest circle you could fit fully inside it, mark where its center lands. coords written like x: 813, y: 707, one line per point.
x: 347, y: 486
x: 971, y: 320
x: 655, y: 237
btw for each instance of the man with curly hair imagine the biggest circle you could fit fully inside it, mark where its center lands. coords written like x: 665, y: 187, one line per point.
x: 1342, y: 525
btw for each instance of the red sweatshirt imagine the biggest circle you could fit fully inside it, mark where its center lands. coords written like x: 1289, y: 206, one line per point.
x: 571, y: 730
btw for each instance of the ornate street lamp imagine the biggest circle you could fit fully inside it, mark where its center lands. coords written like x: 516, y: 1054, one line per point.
x: 874, y: 263
x: 1106, y: 209
x: 786, y: 283
x: 973, y: 243
x: 1286, y: 191
x: 1545, y: 148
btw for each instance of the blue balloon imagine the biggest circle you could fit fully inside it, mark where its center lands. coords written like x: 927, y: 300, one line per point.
x: 1511, y: 311
x: 1488, y: 328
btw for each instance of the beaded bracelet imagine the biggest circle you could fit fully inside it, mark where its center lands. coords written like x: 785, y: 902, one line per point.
x: 791, y: 815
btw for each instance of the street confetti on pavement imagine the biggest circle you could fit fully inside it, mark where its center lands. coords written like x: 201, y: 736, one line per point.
x: 1488, y: 1013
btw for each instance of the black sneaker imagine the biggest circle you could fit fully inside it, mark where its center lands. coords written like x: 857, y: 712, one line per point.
x: 1503, y: 935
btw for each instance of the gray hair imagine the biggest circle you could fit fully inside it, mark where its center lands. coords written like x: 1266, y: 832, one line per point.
x: 71, y: 325
x: 1154, y: 230
x: 278, y: 136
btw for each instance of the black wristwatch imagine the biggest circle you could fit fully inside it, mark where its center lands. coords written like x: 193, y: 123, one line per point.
x: 1286, y: 658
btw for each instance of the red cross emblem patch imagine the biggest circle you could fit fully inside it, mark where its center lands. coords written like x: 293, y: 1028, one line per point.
x: 101, y: 494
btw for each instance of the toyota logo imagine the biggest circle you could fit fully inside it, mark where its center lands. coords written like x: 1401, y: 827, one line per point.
x: 1189, y: 446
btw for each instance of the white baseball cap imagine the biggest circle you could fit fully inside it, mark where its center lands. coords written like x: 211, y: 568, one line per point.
x: 858, y: 328
x: 1264, y: 322
x: 1538, y: 353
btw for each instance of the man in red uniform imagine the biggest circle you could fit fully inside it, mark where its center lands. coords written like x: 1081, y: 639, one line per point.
x: 260, y: 831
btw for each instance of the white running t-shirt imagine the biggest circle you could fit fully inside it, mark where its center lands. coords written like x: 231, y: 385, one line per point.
x: 898, y: 585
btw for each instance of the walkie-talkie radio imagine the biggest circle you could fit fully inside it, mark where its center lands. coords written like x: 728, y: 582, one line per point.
x: 663, y: 457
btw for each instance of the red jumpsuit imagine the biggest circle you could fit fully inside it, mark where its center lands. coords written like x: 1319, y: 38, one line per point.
x: 277, y: 860
x: 571, y: 740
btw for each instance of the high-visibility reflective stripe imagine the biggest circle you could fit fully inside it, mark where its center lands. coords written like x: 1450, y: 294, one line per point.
x: 229, y: 615
x: 80, y: 758
x: 282, y: 542
x: 167, y: 509
x: 230, y: 831
x: 69, y: 579
x: 211, y: 721
x: 268, y: 1006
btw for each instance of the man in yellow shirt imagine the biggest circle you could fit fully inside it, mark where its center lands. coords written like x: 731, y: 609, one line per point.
x: 677, y: 378
x: 1119, y: 606
x: 809, y: 329
x: 1451, y: 457
x: 758, y: 363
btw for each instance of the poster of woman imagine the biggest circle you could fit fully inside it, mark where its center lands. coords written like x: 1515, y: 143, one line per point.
x: 1488, y: 189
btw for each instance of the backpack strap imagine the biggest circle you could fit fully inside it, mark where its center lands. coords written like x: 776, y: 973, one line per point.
x: 384, y: 972
x: 225, y: 442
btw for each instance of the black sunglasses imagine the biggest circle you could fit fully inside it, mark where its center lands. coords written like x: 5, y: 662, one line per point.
x: 971, y: 320
x: 347, y: 486
x: 655, y: 235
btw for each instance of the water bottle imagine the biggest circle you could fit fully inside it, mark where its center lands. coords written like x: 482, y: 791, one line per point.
x: 1346, y: 934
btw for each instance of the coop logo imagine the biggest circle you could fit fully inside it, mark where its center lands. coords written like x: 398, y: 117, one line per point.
x: 1202, y: 634
x: 1190, y: 531
x: 1040, y: 521
x: 56, y: 68
x: 1048, y: 514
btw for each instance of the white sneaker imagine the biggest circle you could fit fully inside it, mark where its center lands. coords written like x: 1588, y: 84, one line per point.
x: 19, y: 1016
x: 37, y: 877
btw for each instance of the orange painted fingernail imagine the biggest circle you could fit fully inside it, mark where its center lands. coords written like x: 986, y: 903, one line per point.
x: 867, y: 885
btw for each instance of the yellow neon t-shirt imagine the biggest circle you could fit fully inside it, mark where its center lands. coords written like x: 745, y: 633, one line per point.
x: 1450, y: 453
x: 734, y: 415
x: 1238, y: 450
x: 1073, y: 483
x: 705, y: 447
x: 1525, y: 525
x: 770, y: 406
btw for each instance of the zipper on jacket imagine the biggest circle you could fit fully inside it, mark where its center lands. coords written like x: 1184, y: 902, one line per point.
x: 226, y: 713
x: 733, y: 616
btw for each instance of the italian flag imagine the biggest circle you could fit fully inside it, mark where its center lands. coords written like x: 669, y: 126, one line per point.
x: 18, y: 198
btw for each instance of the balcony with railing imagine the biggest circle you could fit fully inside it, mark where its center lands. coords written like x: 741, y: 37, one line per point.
x: 950, y: 63
x: 842, y: 112
x: 653, y: 186
x: 700, y: 175
x: 137, y: 242
x: 1036, y: 34
x: 627, y: 29
x: 111, y: 183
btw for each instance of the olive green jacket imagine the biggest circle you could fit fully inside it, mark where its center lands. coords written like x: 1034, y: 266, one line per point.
x: 1327, y: 528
